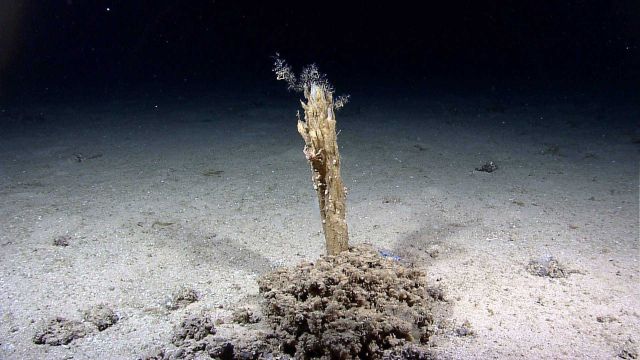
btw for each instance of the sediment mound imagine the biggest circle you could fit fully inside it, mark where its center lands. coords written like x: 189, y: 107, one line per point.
x: 357, y: 304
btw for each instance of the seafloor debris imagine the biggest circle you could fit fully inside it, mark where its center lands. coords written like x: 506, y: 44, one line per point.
x: 101, y: 315
x: 464, y: 330
x: 181, y: 298
x: 549, y: 266
x: 196, y: 338
x: 80, y: 157
x: 489, y: 167
x: 60, y: 331
x: 62, y: 240
x: 193, y: 328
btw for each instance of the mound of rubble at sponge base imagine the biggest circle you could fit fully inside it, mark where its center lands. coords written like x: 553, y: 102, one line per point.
x: 357, y: 305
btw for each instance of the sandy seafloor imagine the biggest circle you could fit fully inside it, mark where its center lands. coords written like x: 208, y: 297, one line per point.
x: 211, y: 192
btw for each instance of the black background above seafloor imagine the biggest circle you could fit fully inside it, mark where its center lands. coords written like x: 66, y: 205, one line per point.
x: 104, y: 48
